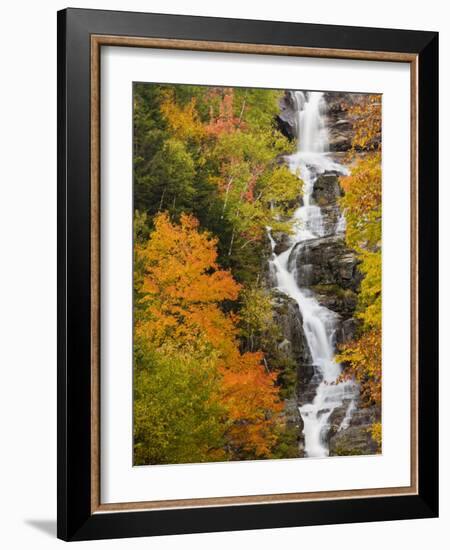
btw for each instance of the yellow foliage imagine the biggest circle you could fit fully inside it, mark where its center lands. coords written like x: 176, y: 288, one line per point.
x: 364, y: 357
x: 181, y: 287
x: 362, y: 205
x: 362, y: 202
x: 366, y: 122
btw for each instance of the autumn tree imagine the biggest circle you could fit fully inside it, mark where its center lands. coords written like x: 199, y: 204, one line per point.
x: 180, y: 290
x: 362, y: 207
x: 260, y: 330
x: 212, y: 154
x: 257, y: 190
x: 215, y: 153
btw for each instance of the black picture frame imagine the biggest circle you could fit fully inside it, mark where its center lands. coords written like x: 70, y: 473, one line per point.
x: 75, y: 518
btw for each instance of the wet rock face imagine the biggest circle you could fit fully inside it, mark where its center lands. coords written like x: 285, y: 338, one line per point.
x: 356, y: 438
x: 347, y: 331
x: 294, y: 345
x: 330, y: 218
x: 326, y: 194
x: 328, y: 269
x: 326, y: 261
x: 293, y: 441
x: 290, y: 321
x: 341, y: 301
x: 308, y: 390
x: 282, y: 242
x: 339, y: 120
x: 268, y: 276
x: 327, y: 190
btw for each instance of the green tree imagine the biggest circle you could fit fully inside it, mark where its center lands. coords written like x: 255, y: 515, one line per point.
x: 177, y: 414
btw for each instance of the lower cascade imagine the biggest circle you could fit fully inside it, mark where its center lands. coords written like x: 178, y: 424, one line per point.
x: 291, y: 272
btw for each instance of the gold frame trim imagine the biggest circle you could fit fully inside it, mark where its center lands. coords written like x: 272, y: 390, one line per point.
x: 97, y: 41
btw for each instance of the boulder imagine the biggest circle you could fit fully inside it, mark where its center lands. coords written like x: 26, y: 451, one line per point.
x: 326, y: 261
x: 338, y: 122
x: 290, y: 321
x: 341, y: 301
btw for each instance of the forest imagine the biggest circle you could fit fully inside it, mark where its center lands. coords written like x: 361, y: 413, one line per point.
x: 213, y: 377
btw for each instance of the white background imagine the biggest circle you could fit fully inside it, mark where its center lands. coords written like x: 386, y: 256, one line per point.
x: 119, y: 481
x: 28, y: 275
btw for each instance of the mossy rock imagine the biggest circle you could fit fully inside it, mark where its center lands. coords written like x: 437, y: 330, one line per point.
x: 333, y: 290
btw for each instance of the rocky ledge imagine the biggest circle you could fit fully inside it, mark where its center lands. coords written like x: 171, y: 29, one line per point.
x: 287, y: 118
x: 356, y: 438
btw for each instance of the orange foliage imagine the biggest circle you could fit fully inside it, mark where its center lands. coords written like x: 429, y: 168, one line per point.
x: 365, y: 183
x: 252, y: 401
x: 182, y: 283
x: 182, y: 287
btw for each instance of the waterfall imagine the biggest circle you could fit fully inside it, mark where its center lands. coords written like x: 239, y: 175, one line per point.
x: 319, y: 323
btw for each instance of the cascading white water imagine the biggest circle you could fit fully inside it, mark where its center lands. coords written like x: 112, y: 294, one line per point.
x: 319, y: 323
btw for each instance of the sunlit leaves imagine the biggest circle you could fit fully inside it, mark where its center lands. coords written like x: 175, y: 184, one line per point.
x: 376, y: 433
x: 251, y: 398
x: 181, y: 283
x: 366, y: 122
x: 179, y: 291
x: 215, y: 152
x: 370, y: 295
x: 256, y: 313
x: 362, y: 206
x: 364, y: 356
x: 177, y: 413
x: 182, y: 119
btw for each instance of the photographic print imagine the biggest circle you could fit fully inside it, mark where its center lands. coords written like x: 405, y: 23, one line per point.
x: 257, y: 274
x: 246, y: 280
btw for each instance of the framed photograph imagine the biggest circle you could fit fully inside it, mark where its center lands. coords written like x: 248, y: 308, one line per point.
x: 247, y: 254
